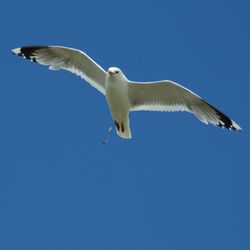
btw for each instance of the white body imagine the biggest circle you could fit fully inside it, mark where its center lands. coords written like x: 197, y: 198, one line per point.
x: 116, y: 89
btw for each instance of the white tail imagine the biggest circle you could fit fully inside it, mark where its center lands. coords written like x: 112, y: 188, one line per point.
x: 123, y: 129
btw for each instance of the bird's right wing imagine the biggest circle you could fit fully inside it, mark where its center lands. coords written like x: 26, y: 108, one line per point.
x: 69, y: 59
x: 170, y: 96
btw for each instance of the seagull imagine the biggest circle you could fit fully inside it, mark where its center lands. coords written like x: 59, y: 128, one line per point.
x: 123, y: 95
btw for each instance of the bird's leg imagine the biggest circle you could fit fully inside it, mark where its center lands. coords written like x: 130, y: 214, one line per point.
x: 117, y: 125
x: 108, y: 136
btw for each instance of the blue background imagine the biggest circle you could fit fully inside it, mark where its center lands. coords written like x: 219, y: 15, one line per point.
x: 178, y: 184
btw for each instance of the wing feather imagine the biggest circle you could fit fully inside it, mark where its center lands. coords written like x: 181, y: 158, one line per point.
x: 69, y: 59
x: 170, y: 96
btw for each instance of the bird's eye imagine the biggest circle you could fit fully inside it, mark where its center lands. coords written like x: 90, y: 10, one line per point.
x: 117, y: 71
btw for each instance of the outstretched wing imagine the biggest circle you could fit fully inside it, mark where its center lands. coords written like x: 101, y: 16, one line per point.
x: 170, y: 96
x: 72, y: 60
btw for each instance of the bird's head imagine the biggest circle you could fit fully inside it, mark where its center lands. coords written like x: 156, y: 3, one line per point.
x: 115, y: 72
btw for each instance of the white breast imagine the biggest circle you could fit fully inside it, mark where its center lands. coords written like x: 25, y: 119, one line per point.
x: 117, y: 97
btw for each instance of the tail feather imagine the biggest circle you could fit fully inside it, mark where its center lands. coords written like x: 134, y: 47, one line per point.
x: 123, y: 129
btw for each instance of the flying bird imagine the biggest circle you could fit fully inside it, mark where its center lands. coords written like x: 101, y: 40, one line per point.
x: 123, y: 95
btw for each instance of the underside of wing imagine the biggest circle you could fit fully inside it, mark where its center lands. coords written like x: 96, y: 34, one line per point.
x: 170, y: 96
x: 69, y: 59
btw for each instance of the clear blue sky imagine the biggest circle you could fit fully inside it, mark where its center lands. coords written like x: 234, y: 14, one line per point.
x: 178, y: 184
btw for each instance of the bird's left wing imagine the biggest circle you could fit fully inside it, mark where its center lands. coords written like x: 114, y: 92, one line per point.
x: 69, y: 59
x: 170, y: 96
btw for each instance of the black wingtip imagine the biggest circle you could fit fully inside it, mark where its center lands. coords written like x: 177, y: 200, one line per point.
x: 28, y: 52
x: 225, y: 121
